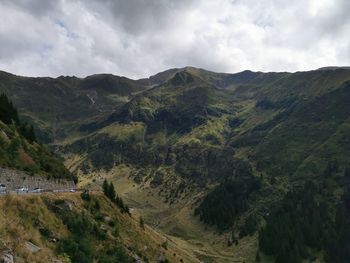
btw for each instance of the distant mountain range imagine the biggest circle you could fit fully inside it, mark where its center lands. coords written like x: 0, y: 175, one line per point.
x: 333, y: 68
x: 229, y: 148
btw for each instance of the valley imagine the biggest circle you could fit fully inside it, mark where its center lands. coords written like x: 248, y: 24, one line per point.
x: 204, y: 158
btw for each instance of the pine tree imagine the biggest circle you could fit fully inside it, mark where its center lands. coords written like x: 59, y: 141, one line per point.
x: 105, y: 187
x: 111, y: 192
x: 8, y: 113
x: 28, y: 132
x: 31, y: 134
x: 257, y: 257
x: 142, y: 223
x: 332, y: 168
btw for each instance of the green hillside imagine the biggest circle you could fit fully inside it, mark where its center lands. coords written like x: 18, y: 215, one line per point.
x: 206, y: 151
x: 20, y: 150
x: 73, y: 228
x: 57, y: 106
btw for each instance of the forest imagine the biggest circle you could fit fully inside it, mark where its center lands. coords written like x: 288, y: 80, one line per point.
x: 19, y: 148
x: 229, y: 200
x: 306, y: 221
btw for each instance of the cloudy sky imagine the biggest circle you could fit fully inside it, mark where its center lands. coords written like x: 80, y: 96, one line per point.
x: 137, y: 38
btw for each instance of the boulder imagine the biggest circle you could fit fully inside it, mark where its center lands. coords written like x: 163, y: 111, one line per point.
x: 7, y: 258
x: 31, y: 247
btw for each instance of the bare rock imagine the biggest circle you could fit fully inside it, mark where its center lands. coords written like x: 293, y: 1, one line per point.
x: 68, y: 205
x: 7, y: 258
x: 53, y: 240
x: 31, y: 247
x: 104, y: 228
x: 107, y: 219
x: 161, y: 257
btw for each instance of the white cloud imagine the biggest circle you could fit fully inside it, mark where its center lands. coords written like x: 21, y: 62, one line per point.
x: 137, y: 38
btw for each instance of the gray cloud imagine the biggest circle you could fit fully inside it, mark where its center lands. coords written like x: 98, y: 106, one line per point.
x: 137, y: 38
x: 36, y: 8
x: 140, y: 16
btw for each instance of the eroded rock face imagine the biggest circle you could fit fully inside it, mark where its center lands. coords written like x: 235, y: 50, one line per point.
x: 107, y: 219
x: 7, y: 257
x: 31, y: 247
x: 68, y: 205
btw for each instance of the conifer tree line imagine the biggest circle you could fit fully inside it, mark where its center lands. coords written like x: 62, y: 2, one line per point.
x: 311, y: 218
x: 9, y: 115
x: 109, y: 191
x: 17, y: 153
x: 306, y: 222
x: 223, y: 206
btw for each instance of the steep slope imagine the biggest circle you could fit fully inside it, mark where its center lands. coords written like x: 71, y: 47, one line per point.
x: 300, y: 123
x: 170, y: 112
x: 19, y: 153
x: 249, y: 118
x: 61, y: 227
x: 20, y: 150
x: 228, y: 146
x: 189, y: 134
x: 57, y: 106
x: 160, y: 77
x: 67, y: 228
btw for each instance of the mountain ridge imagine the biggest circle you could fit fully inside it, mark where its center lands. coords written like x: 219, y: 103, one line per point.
x: 178, y: 142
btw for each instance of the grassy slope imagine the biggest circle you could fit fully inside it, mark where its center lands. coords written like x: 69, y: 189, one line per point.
x: 32, y: 157
x: 57, y: 106
x: 22, y: 216
x: 308, y: 133
x: 176, y: 220
x: 300, y: 125
x: 286, y: 141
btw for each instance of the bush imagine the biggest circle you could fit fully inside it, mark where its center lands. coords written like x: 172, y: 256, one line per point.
x: 85, y: 196
x: 79, y: 248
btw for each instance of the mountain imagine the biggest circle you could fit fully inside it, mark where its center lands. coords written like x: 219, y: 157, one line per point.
x: 332, y: 68
x: 20, y: 150
x: 57, y: 106
x: 64, y: 227
x: 78, y: 228
x: 160, y: 77
x: 211, y: 159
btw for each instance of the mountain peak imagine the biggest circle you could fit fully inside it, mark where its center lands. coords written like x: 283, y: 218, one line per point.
x: 333, y: 68
x: 182, y: 77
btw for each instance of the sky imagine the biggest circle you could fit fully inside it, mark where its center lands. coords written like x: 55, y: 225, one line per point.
x: 138, y: 38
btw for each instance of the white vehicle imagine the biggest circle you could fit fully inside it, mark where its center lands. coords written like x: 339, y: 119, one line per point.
x: 22, y: 189
x: 36, y: 190
x: 2, y: 188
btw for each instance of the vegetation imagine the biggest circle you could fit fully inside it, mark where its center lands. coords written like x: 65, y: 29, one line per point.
x: 71, y: 229
x: 249, y: 227
x: 186, y: 135
x: 8, y: 113
x: 19, y: 148
x: 229, y: 200
x: 109, y: 191
x: 80, y: 244
x: 142, y: 223
x: 307, y: 220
